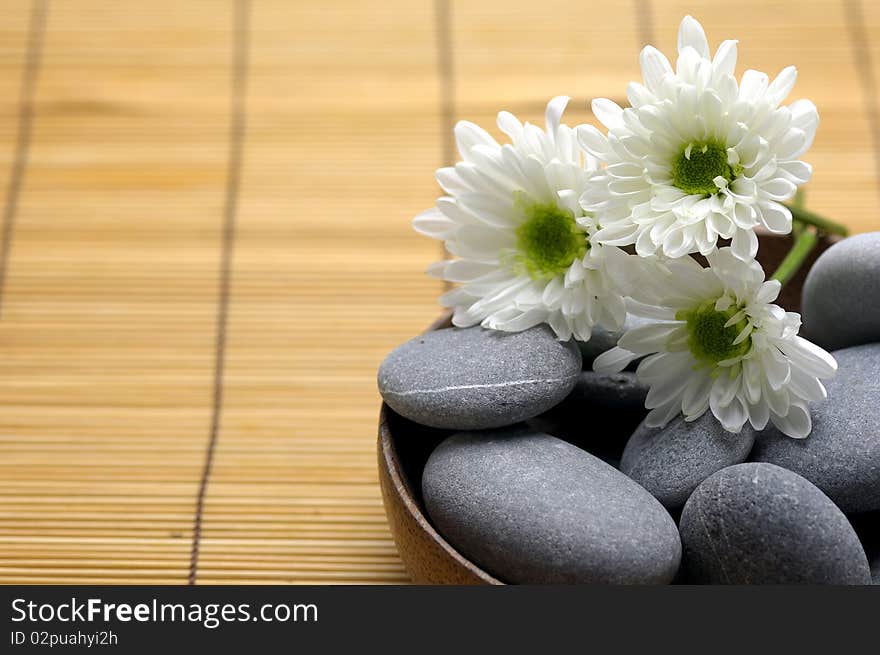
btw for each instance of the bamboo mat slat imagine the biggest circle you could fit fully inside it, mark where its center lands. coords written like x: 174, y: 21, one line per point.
x: 167, y: 305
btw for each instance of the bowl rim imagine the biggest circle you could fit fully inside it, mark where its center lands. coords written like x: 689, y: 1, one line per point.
x: 407, y: 499
x: 402, y: 489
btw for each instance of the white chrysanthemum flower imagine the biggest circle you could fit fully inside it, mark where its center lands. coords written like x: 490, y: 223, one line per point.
x: 698, y: 157
x: 524, y: 245
x: 720, y: 344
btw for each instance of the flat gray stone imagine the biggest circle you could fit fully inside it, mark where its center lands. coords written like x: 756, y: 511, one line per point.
x: 672, y: 461
x: 757, y: 523
x: 468, y: 379
x: 533, y: 509
x: 841, y: 296
x: 602, y: 339
x: 842, y: 454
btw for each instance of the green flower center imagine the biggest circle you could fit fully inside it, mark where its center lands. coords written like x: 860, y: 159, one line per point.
x: 695, y: 168
x: 709, y: 340
x: 549, y: 240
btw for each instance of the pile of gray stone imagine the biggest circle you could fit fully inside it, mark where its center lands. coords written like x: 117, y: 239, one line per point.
x: 549, y: 475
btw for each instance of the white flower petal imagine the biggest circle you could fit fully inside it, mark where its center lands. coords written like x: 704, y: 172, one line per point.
x: 649, y: 338
x: 776, y: 217
x: 798, y: 172
x: 434, y: 224
x: 691, y: 34
x: 725, y: 387
x: 464, y: 270
x: 724, y: 61
x: 809, y: 357
x: 732, y: 417
x: 614, y: 360
x: 696, y: 397
x: 768, y: 292
x: 797, y: 424
x: 752, y: 86
x: 607, y: 112
x: 759, y: 415
x: 449, y: 180
x: 806, y: 386
x: 509, y: 124
x: 744, y: 244
x: 592, y: 140
x: 779, y: 189
x: 553, y: 115
x: 468, y: 135
x: 781, y: 86
x: 654, y: 67
x: 437, y: 269
x: 659, y: 417
x: 638, y: 94
x: 792, y: 145
x: 805, y: 117
x: 776, y: 369
x: 673, y: 384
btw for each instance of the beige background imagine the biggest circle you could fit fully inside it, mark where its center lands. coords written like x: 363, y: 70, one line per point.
x: 123, y: 158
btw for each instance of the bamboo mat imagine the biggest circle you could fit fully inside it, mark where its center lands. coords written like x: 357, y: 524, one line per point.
x: 206, y: 249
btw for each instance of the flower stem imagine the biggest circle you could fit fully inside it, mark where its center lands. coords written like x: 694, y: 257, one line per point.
x: 805, y: 216
x: 803, y: 245
x: 805, y: 230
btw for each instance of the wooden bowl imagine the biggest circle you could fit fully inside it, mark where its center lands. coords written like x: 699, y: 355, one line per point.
x: 404, y: 447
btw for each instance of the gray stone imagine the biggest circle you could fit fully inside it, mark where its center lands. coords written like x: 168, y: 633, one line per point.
x: 841, y: 297
x: 467, y: 379
x: 602, y: 339
x: 758, y: 523
x: 842, y: 454
x: 533, y: 509
x: 613, y: 390
x: 671, y: 461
